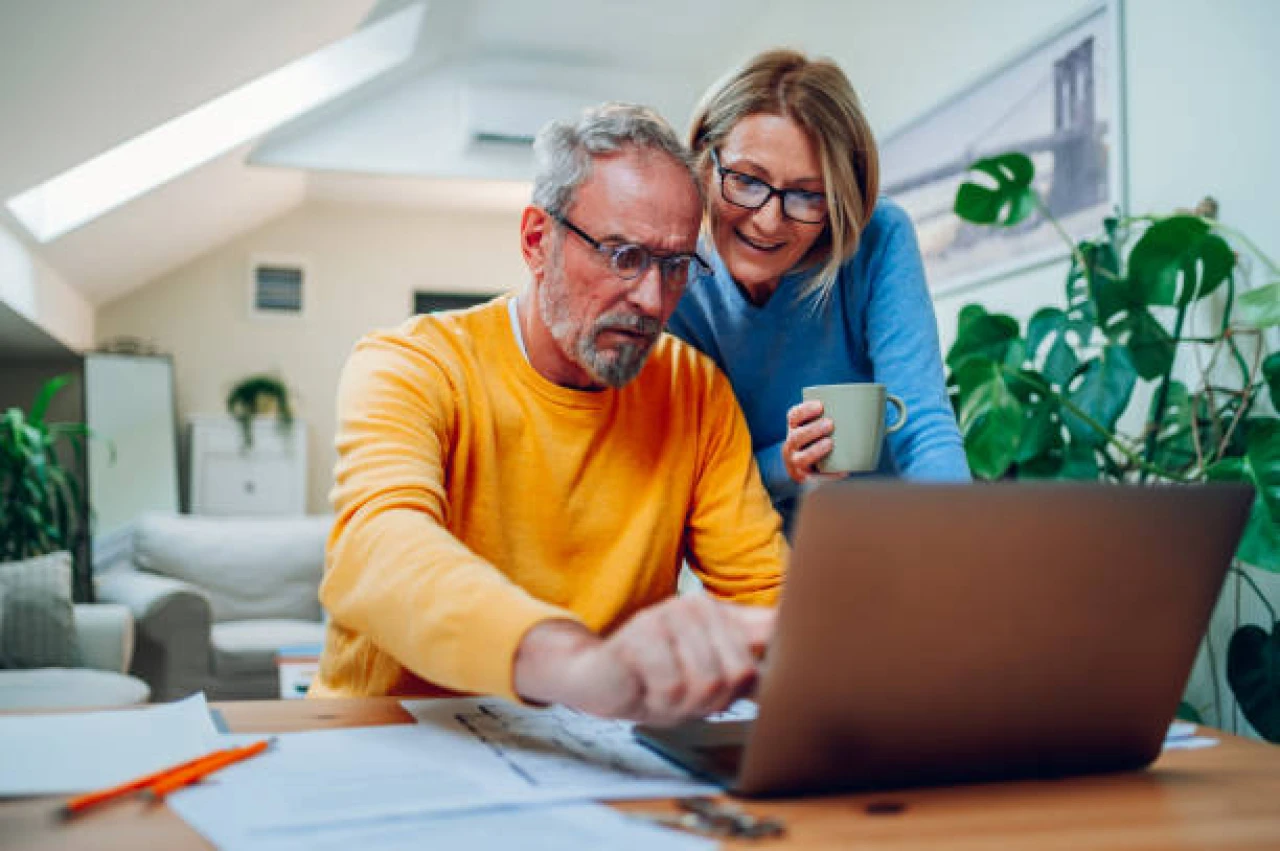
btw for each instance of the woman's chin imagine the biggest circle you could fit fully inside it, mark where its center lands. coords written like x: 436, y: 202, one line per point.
x: 755, y: 275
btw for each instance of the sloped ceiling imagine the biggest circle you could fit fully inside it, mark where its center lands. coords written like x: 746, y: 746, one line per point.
x: 80, y: 76
x: 77, y: 78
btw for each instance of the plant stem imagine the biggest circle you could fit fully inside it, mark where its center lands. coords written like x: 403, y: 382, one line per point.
x: 1162, y: 394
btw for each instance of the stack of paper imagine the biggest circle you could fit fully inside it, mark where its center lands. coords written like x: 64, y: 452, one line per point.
x: 68, y: 753
x: 472, y: 771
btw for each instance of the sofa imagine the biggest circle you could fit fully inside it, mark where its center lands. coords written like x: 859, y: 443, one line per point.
x: 216, y: 598
x: 104, y: 643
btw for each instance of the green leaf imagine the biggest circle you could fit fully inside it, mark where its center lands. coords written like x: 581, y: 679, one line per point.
x: 1149, y: 345
x: 1011, y: 199
x: 1262, y: 461
x: 982, y: 334
x: 1271, y: 372
x: 1260, y: 544
x: 1179, y: 260
x: 45, y: 396
x: 1061, y: 362
x: 1187, y: 712
x: 1260, y: 308
x: 1046, y: 322
x: 1175, y: 449
x: 1041, y: 431
x: 1260, y: 466
x: 1253, y: 672
x: 1100, y: 283
x: 991, y: 421
x: 1102, y: 392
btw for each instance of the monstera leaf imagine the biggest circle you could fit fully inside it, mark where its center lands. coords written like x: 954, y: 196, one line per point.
x: 1253, y: 672
x: 1179, y: 260
x: 1101, y: 390
x: 1260, y: 466
x: 990, y: 417
x: 1011, y: 199
x: 992, y: 336
x: 1060, y: 359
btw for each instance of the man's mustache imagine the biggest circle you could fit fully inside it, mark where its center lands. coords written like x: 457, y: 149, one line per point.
x: 646, y: 325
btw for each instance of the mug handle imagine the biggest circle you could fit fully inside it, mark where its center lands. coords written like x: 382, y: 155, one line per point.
x: 902, y: 413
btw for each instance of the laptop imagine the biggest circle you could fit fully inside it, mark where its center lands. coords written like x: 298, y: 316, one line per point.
x: 938, y: 634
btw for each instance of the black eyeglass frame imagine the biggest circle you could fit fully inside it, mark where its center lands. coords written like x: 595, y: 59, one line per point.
x: 783, y: 194
x: 612, y: 252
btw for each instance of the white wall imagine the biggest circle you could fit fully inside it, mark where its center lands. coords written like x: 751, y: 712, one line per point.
x: 363, y: 265
x: 33, y: 289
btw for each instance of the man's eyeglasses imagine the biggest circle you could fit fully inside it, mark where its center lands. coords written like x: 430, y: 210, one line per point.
x: 630, y: 261
x: 752, y: 193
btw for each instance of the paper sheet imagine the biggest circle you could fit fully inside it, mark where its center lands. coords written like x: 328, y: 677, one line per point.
x: 78, y: 752
x: 574, y: 827
x: 1182, y: 737
x: 554, y: 749
x: 385, y: 785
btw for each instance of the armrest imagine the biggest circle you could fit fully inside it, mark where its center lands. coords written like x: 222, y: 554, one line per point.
x: 173, y: 619
x: 104, y: 632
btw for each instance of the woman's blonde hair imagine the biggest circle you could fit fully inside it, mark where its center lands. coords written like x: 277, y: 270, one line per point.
x: 817, y: 95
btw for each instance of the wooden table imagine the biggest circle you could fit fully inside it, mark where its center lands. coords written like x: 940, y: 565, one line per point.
x: 1224, y: 797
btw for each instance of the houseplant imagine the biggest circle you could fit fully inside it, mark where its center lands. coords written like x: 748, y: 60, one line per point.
x: 42, y: 503
x: 1153, y: 368
x: 259, y: 394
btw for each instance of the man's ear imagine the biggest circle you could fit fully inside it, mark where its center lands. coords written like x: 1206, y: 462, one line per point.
x: 535, y: 239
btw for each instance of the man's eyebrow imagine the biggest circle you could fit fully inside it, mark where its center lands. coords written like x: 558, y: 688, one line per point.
x: 619, y: 239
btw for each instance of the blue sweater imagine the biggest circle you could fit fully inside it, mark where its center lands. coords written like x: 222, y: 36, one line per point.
x: 877, y: 325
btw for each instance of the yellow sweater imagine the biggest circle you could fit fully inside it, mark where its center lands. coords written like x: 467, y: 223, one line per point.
x: 475, y: 499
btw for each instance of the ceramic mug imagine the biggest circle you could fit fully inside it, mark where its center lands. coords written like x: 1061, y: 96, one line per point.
x: 858, y: 411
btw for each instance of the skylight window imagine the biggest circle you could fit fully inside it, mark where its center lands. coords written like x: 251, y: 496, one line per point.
x: 83, y: 193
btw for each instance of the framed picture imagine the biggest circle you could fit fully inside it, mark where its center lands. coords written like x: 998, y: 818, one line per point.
x: 1060, y: 103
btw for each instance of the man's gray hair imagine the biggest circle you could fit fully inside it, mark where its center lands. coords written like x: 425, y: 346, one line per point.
x: 564, y: 151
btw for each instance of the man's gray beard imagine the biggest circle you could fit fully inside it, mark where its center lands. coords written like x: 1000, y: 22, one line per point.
x: 613, y: 367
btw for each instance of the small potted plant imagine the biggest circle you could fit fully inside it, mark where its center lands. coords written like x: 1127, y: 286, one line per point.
x: 259, y: 395
x: 42, y: 504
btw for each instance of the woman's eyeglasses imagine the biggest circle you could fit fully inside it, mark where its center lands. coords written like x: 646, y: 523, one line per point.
x: 752, y: 193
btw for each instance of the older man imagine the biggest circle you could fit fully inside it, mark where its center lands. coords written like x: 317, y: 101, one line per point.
x: 517, y: 484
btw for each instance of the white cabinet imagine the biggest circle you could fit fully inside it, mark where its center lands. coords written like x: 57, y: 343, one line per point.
x: 229, y: 478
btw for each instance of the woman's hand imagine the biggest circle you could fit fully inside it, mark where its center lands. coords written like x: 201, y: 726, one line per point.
x: 808, y: 440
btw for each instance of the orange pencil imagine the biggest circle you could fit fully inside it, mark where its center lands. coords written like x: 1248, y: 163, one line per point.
x: 89, y: 799
x: 194, y: 773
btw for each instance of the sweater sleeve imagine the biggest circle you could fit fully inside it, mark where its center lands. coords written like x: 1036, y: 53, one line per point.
x: 396, y: 574
x: 902, y: 339
x: 734, y: 538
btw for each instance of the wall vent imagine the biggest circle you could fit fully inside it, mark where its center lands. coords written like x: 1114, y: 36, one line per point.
x: 278, y: 288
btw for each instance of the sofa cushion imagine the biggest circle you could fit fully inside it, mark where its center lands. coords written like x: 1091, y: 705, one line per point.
x: 39, y: 621
x: 59, y: 688
x: 243, y: 648
x: 251, y: 567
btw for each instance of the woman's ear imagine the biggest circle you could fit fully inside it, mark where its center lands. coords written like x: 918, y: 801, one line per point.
x: 535, y: 239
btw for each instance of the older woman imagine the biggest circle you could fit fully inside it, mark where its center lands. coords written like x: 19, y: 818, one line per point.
x: 814, y: 279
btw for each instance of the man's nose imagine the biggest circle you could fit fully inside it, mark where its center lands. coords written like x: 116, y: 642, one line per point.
x: 646, y: 292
